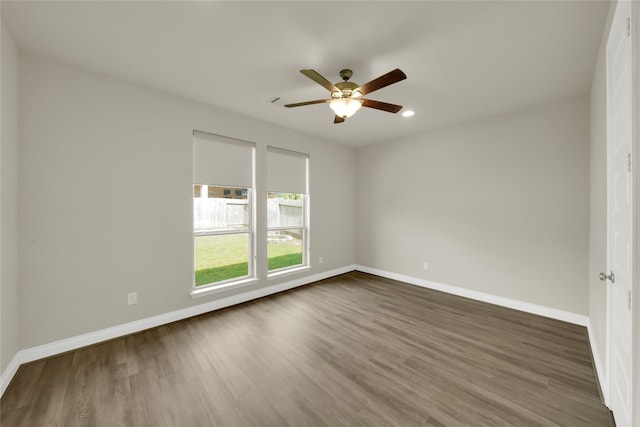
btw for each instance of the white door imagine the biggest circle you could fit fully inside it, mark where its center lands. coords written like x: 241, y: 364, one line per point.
x: 619, y: 215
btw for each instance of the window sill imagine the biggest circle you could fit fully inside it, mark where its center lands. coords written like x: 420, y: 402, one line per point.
x: 209, y: 290
x: 288, y: 272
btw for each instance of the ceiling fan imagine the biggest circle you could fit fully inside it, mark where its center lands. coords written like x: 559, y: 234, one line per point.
x: 346, y: 96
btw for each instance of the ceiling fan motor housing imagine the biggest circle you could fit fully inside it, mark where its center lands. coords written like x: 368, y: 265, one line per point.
x: 346, y: 88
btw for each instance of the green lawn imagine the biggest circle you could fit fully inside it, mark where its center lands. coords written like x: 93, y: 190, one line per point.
x: 225, y: 257
x: 282, y: 261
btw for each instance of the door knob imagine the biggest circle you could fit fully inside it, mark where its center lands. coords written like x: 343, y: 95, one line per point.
x: 611, y: 277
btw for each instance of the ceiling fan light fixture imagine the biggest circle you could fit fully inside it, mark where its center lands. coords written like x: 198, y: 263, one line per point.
x: 346, y: 96
x: 345, y: 107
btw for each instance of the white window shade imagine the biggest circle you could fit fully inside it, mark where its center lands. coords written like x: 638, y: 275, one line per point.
x: 222, y: 161
x: 286, y: 171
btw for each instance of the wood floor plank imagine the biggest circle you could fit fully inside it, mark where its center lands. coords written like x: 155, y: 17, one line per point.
x: 81, y: 394
x: 353, y: 350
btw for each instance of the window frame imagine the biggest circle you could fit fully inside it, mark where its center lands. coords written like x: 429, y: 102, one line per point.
x: 249, y: 231
x: 210, y: 164
x: 294, y: 180
x: 305, y: 237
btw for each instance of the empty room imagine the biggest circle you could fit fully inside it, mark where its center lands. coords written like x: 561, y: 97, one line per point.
x: 319, y: 213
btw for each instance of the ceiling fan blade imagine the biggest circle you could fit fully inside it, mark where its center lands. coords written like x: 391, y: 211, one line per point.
x: 300, y: 104
x: 316, y: 77
x: 385, y: 80
x: 378, y: 105
x: 338, y: 119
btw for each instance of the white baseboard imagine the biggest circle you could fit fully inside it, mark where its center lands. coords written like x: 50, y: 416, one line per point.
x: 566, y: 316
x: 9, y: 372
x: 72, y: 343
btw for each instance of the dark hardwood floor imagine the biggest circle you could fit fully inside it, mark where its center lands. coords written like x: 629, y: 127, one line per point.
x: 354, y: 350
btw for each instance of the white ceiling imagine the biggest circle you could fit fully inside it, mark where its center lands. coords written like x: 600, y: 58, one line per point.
x: 464, y: 60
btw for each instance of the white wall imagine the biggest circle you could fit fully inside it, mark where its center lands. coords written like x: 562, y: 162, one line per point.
x: 105, y: 176
x: 8, y: 201
x: 498, y: 205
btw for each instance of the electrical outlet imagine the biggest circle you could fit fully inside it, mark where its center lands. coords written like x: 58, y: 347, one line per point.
x: 425, y: 265
x: 132, y: 298
x: 320, y: 260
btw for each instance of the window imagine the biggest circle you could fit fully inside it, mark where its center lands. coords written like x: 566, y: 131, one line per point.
x: 222, y: 236
x: 285, y: 236
x: 223, y: 226
x: 287, y: 209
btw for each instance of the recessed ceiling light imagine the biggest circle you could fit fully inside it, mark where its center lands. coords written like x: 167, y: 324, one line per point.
x: 408, y: 113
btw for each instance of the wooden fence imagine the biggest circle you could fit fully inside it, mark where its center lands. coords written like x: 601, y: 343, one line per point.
x: 223, y: 214
x: 284, y: 213
x: 220, y: 214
